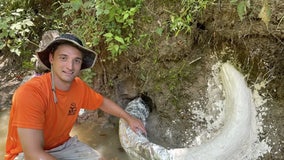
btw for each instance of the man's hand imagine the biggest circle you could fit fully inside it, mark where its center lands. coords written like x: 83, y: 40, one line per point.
x: 136, y: 125
x: 112, y: 108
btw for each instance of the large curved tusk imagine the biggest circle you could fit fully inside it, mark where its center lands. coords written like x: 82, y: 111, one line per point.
x: 229, y: 144
x: 239, y: 119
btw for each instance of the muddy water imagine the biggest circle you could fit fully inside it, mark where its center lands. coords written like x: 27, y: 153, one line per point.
x: 104, y: 140
x: 4, y: 119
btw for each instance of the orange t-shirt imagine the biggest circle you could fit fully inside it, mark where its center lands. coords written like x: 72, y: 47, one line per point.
x: 33, y: 107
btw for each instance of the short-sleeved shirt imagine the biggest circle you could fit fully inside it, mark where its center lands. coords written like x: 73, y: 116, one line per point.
x: 33, y: 107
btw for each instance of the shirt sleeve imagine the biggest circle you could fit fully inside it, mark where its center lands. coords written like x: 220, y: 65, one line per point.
x: 29, y: 108
x: 92, y: 99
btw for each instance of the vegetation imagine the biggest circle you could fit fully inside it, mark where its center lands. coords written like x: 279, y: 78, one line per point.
x: 104, y: 20
x: 96, y: 21
x: 182, y: 20
x: 16, y: 28
x: 107, y: 26
x: 244, y: 5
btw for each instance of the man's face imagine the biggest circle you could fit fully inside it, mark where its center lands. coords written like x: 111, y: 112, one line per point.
x: 66, y: 61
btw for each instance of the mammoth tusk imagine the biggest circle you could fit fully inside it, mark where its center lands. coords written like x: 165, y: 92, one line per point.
x: 234, y: 139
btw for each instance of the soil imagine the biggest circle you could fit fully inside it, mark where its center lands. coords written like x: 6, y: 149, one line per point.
x: 173, y: 70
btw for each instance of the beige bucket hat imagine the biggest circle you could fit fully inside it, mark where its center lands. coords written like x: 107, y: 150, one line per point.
x: 89, y: 56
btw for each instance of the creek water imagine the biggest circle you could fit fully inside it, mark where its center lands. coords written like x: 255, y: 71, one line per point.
x: 4, y: 119
x: 104, y: 140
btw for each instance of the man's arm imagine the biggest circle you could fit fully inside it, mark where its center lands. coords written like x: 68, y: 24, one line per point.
x: 32, y: 144
x: 113, y: 109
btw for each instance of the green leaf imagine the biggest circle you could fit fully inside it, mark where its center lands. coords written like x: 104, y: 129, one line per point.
x: 16, y: 50
x: 119, y: 39
x: 26, y: 30
x: 108, y: 35
x: 118, y: 19
x: 159, y: 31
x: 16, y: 26
x: 89, y: 4
x: 19, y: 10
x: 28, y: 22
x: 3, y: 26
x: 241, y: 8
x: 76, y: 4
x: 99, y: 11
x: 265, y: 13
x: 106, y: 11
x: 76, y: 21
x: 116, y: 47
x: 113, y: 48
x: 133, y: 11
x: 2, y: 45
x: 5, y: 33
x: 12, y: 33
x: 67, y: 12
x: 16, y: 14
x: 125, y: 16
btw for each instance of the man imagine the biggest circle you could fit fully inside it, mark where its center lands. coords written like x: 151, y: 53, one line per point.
x: 45, y: 108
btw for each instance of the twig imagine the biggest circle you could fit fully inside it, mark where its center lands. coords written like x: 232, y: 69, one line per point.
x: 32, y: 42
x: 195, y: 60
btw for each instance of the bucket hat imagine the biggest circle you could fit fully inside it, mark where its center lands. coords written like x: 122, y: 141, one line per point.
x: 89, y: 56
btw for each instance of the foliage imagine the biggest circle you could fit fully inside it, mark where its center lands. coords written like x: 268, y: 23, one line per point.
x: 88, y: 75
x: 182, y: 21
x: 244, y: 5
x: 108, y: 20
x: 15, y: 27
x: 95, y: 21
x: 265, y: 13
